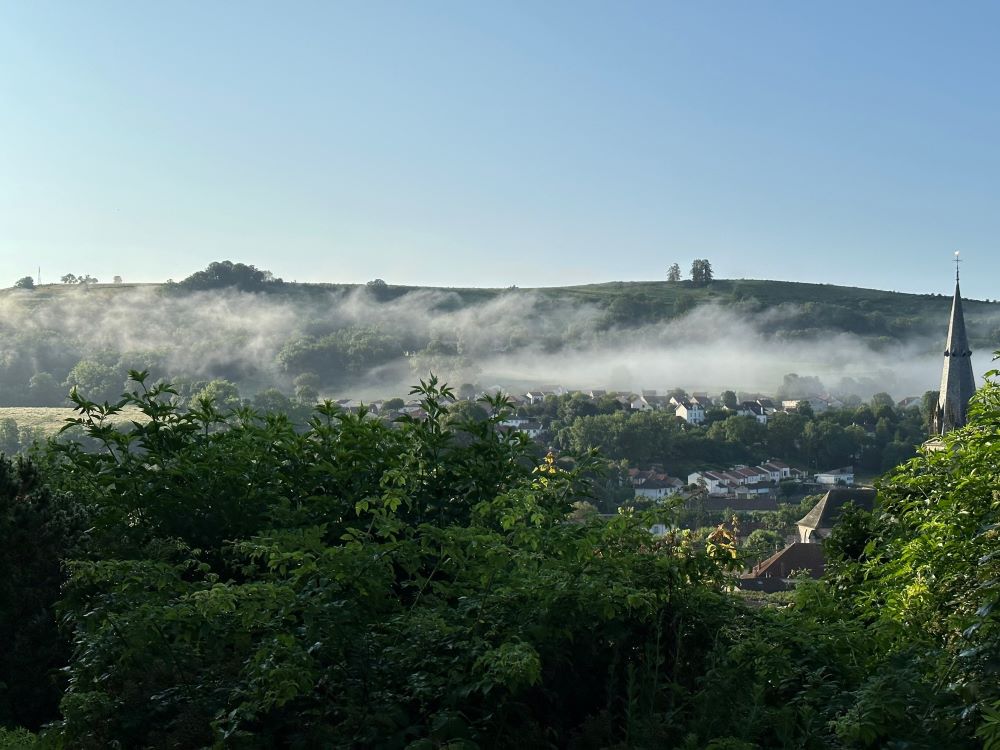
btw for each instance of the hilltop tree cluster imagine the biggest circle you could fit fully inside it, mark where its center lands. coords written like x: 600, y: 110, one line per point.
x: 71, y: 278
x: 701, y: 272
x: 226, y: 274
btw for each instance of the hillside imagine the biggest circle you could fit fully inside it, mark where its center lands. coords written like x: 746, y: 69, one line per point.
x: 374, y: 340
x: 846, y: 309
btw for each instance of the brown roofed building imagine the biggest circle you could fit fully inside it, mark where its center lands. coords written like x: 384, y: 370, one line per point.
x: 774, y: 573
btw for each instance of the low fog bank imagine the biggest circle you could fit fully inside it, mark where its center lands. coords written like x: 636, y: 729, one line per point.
x: 515, y: 339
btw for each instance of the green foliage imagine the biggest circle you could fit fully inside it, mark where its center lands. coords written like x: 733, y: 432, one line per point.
x: 25, y: 282
x: 701, y: 272
x: 925, y: 568
x: 97, y: 377
x: 226, y: 274
x: 342, y: 356
x: 38, y: 529
x: 436, y: 583
x: 17, y: 739
x: 359, y: 585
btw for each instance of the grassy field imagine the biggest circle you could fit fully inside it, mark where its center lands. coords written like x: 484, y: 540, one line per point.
x: 50, y: 419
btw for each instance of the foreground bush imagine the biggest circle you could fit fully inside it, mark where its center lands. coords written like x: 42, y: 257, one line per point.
x: 363, y: 585
x: 228, y: 581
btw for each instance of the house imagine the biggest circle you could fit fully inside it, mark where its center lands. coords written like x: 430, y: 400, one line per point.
x: 529, y: 427
x: 713, y: 481
x: 818, y: 522
x: 843, y: 475
x: 777, y: 470
x: 767, y: 405
x: 753, y: 475
x: 639, y: 403
x: 776, y: 572
x: 657, y: 489
x: 816, y: 403
x: 690, y: 412
x: 752, y: 409
x: 534, y: 397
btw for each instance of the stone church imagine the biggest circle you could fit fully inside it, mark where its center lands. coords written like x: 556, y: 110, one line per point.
x: 957, y: 380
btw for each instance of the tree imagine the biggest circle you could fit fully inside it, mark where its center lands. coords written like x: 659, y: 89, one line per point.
x: 761, y: 544
x: 306, y: 388
x: 45, y: 390
x: 96, y: 380
x: 701, y: 272
x: 69, y: 279
x: 882, y: 399
x: 729, y: 399
x: 118, y: 279
x: 674, y: 273
x: 25, y: 282
x: 924, y: 568
x: 272, y: 401
x: 39, y: 530
x: 223, y: 274
x: 223, y: 393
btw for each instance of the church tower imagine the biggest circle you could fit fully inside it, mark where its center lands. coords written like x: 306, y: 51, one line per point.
x: 957, y: 381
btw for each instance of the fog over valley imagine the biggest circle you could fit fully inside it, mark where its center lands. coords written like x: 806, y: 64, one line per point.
x: 374, y: 341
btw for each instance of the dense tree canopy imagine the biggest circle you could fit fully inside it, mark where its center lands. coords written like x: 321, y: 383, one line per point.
x: 225, y: 580
x: 226, y: 274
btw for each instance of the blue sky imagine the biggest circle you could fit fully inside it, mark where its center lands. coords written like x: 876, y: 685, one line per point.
x: 490, y: 144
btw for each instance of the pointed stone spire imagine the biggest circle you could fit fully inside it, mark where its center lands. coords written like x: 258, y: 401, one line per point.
x: 957, y: 380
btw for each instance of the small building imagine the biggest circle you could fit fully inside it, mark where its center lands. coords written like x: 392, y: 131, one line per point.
x: 819, y: 522
x: 776, y: 572
x: 713, y: 481
x: 843, y: 475
x: 658, y: 488
x: 690, y: 412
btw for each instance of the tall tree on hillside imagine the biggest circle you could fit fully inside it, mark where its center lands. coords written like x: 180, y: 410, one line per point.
x: 674, y: 273
x: 701, y: 271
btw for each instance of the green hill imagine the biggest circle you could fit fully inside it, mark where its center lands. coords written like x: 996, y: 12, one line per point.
x: 375, y: 339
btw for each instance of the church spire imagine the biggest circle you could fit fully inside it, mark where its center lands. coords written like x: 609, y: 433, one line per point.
x: 957, y: 381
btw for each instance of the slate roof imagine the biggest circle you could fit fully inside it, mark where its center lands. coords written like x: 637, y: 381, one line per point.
x: 824, y: 514
x: 958, y: 382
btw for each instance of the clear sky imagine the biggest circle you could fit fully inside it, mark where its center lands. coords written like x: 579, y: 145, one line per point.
x: 490, y: 144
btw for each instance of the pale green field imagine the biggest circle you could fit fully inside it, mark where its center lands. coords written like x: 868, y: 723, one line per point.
x: 51, y: 419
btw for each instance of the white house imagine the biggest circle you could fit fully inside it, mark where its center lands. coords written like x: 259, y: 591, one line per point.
x: 640, y: 404
x: 657, y: 489
x: 713, y: 481
x: 843, y: 475
x: 777, y: 470
x: 690, y: 412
